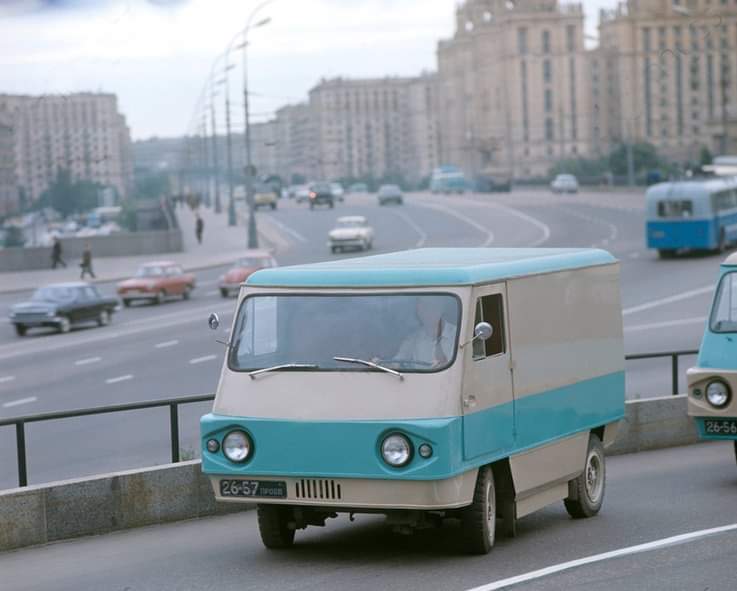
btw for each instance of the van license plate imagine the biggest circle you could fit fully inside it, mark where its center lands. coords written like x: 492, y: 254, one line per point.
x: 253, y: 488
x: 720, y: 427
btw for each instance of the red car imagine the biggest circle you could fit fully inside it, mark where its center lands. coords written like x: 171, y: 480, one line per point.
x: 239, y: 272
x: 156, y: 282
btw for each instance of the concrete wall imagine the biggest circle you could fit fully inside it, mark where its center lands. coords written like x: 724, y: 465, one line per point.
x: 55, y: 511
x: 105, y: 503
x: 120, y: 244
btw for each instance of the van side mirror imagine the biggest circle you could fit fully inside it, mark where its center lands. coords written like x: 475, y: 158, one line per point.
x: 213, y: 321
x: 483, y: 331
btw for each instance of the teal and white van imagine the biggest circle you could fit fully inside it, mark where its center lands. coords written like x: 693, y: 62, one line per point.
x: 476, y: 384
x: 711, y: 385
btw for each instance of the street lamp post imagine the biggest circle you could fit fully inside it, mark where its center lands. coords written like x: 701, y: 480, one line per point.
x: 215, y: 163
x: 252, y: 230
x: 229, y: 145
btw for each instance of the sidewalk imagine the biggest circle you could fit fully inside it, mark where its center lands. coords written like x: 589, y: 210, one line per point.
x: 221, y: 245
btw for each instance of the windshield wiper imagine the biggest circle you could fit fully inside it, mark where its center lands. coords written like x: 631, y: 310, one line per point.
x: 258, y: 372
x: 394, y: 372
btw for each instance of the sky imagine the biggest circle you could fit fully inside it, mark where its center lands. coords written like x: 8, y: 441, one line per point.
x: 156, y: 55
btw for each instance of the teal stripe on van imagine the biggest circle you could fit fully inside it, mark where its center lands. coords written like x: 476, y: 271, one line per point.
x: 350, y: 449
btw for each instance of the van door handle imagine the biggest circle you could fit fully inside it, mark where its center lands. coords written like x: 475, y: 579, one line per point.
x: 469, y: 401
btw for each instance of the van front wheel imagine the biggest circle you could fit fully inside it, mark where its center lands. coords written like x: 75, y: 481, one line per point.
x: 586, y: 492
x: 478, y: 520
x: 273, y: 525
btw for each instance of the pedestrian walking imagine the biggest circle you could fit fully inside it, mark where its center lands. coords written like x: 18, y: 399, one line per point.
x: 86, y: 263
x: 56, y: 254
x: 199, y: 228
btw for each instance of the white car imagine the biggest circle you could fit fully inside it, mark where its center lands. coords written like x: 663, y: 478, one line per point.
x: 564, y: 183
x: 351, y: 232
x: 302, y: 193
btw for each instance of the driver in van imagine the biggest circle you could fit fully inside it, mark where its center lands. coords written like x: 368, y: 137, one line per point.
x: 431, y: 345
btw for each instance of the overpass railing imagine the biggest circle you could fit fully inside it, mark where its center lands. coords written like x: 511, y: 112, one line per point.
x: 175, y: 403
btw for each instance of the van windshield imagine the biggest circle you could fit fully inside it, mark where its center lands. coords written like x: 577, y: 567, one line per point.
x: 724, y: 315
x: 406, y: 332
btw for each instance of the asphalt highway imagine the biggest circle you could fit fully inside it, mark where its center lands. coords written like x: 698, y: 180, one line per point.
x: 151, y: 352
x: 669, y: 522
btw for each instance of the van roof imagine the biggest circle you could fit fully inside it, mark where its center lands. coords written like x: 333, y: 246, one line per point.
x: 690, y: 187
x: 432, y: 267
x: 731, y: 260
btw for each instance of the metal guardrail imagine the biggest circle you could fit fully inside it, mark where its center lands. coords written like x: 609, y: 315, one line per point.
x: 674, y: 355
x: 172, y: 403
x: 175, y: 403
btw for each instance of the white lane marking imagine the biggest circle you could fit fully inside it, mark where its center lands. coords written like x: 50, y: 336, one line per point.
x: 613, y: 231
x: 202, y: 359
x: 639, y: 548
x: 5, y: 379
x: 119, y: 379
x: 166, y: 344
x: 291, y: 231
x: 463, y: 218
x: 20, y: 401
x: 544, y: 228
x: 87, y: 361
x: 412, y: 224
x: 669, y: 300
x: 666, y: 324
x: 211, y: 292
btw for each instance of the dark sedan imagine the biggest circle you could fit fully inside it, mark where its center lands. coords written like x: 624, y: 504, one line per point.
x: 62, y: 305
x: 321, y: 194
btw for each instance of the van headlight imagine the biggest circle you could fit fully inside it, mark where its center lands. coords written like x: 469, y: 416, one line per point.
x: 718, y: 393
x: 237, y: 446
x: 396, y: 450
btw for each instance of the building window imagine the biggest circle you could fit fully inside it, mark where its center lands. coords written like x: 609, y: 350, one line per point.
x: 549, y: 129
x: 547, y: 71
x: 546, y: 41
x: 548, y: 100
x: 571, y: 38
x: 522, y: 41
x: 646, y: 41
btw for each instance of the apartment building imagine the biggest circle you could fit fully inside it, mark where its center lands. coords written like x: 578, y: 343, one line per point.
x: 380, y: 128
x: 671, y: 69
x: 8, y: 185
x: 295, y: 151
x: 83, y: 133
x: 513, y: 92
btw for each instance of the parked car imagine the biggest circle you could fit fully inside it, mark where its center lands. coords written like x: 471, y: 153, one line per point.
x: 264, y: 196
x: 302, y: 193
x: 358, y: 188
x: 351, y: 232
x: 564, y: 183
x: 251, y: 262
x: 155, y: 282
x: 62, y: 305
x: 390, y: 194
x: 338, y: 191
x: 321, y: 194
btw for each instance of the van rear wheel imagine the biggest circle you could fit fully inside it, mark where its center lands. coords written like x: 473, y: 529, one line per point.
x: 478, y: 520
x: 273, y: 525
x: 586, y: 492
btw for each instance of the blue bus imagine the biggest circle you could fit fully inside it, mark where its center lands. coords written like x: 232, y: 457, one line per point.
x: 696, y: 214
x: 448, y: 179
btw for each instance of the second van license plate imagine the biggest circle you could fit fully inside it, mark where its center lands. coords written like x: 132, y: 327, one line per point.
x: 253, y: 488
x: 721, y: 427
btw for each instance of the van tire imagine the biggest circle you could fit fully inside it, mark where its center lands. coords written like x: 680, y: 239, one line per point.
x: 478, y: 520
x: 666, y: 253
x: 273, y: 525
x: 586, y: 492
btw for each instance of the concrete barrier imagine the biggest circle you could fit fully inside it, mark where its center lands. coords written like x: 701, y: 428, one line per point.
x: 118, y: 244
x: 109, y: 502
x: 106, y: 503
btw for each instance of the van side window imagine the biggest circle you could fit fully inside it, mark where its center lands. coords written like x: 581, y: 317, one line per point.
x: 490, y: 309
x: 675, y: 209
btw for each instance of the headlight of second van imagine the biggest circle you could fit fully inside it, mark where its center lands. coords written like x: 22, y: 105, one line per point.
x: 396, y: 450
x: 718, y: 393
x: 237, y: 446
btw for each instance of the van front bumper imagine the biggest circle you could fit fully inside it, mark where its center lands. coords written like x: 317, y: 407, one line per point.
x: 345, y: 494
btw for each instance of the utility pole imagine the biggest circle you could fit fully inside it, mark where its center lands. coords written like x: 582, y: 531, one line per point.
x: 229, y: 148
x: 216, y: 167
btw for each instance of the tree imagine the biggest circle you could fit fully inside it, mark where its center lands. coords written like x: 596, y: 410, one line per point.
x: 152, y: 185
x: 14, y: 237
x: 705, y: 156
x: 644, y: 155
x: 69, y: 197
